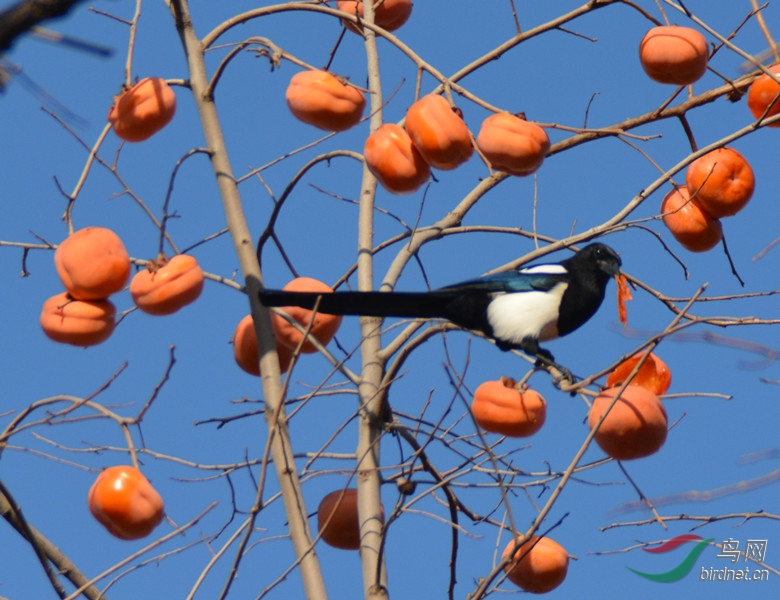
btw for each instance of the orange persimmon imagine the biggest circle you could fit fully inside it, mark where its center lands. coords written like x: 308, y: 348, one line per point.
x: 92, y: 263
x: 722, y: 182
x: 539, y: 564
x: 77, y: 322
x: 324, y: 327
x: 636, y: 425
x: 623, y: 296
x: 337, y: 519
x: 125, y: 503
x: 763, y: 93
x: 167, y: 285
x: 439, y: 132
x: 321, y: 99
x: 394, y: 160
x: 653, y: 374
x: 512, y: 144
x: 688, y: 222
x: 498, y: 406
x: 390, y: 14
x: 245, y: 350
x: 143, y: 110
x: 672, y: 54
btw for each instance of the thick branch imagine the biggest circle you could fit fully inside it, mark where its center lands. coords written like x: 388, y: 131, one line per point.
x: 372, y: 394
x: 281, y: 447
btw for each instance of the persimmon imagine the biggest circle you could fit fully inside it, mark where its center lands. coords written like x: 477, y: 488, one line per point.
x: 321, y: 99
x: 540, y: 564
x: 143, y: 110
x: 673, y: 54
x: 438, y: 132
x: 763, y: 93
x: 324, y: 327
x: 245, y: 349
x: 337, y: 519
x: 125, y: 503
x: 654, y: 374
x: 512, y: 144
x: 636, y: 425
x: 390, y: 14
x: 394, y: 160
x: 498, y: 406
x: 167, y: 285
x: 722, y: 181
x: 92, y: 263
x: 688, y: 222
x: 77, y: 322
x: 623, y: 296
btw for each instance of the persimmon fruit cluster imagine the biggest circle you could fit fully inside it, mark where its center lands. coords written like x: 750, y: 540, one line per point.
x: 321, y: 327
x: 718, y: 184
x: 436, y: 136
x: 92, y: 264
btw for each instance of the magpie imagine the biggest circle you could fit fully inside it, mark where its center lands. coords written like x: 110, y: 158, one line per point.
x: 517, y: 309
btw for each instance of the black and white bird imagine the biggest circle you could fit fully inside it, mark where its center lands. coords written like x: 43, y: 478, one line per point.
x: 518, y: 309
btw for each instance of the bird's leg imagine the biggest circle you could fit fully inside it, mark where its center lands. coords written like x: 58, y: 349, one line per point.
x: 546, y: 362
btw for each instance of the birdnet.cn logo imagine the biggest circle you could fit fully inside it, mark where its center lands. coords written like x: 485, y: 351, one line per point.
x: 738, y: 570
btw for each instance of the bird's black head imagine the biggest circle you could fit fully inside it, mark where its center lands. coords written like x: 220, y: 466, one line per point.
x: 605, y: 257
x: 598, y: 259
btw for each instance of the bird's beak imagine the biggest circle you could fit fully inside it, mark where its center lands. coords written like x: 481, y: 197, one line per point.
x: 611, y: 268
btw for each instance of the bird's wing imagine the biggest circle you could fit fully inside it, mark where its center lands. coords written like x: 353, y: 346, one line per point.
x: 538, y: 278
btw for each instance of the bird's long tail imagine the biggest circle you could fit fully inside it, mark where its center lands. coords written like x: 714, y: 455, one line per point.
x: 424, y: 305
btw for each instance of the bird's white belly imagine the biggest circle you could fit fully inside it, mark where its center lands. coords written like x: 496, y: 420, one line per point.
x: 516, y: 316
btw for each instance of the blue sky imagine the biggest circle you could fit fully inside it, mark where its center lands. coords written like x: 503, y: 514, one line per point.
x: 554, y: 78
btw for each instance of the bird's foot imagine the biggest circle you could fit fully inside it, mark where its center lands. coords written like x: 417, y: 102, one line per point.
x: 562, y: 377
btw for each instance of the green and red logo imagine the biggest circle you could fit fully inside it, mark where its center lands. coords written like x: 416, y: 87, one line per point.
x: 684, y: 567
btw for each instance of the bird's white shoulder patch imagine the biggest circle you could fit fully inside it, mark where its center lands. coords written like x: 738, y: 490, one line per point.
x: 544, y: 270
x: 516, y: 316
